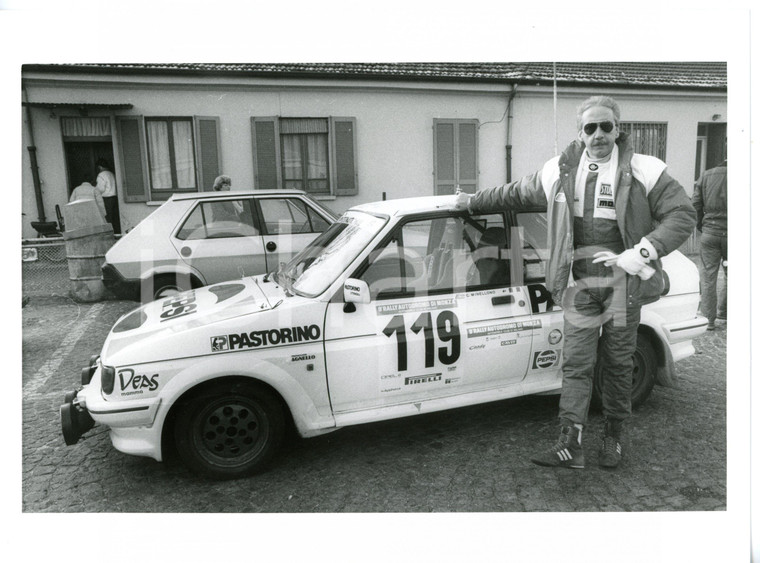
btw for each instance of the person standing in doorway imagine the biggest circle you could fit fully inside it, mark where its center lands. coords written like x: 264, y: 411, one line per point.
x: 106, y: 184
x: 611, y: 214
x: 710, y: 199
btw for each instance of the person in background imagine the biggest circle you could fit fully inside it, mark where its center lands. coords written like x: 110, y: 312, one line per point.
x: 710, y: 200
x: 85, y: 190
x: 225, y: 210
x: 106, y: 183
x: 612, y: 214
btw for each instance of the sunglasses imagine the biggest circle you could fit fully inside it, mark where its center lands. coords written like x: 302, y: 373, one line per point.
x: 606, y: 126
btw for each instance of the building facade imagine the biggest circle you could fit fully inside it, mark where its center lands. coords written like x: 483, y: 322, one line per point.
x: 346, y: 133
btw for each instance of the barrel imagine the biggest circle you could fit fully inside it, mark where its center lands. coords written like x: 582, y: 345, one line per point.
x: 87, y: 237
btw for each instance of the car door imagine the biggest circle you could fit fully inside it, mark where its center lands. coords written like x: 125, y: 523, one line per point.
x: 288, y: 225
x: 437, y: 323
x: 546, y: 355
x: 221, y: 239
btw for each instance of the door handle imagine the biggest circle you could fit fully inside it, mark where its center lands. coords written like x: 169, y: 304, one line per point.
x: 271, y: 246
x: 185, y: 251
x: 503, y: 300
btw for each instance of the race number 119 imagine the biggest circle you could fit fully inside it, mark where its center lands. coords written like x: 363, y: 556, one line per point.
x: 447, y: 328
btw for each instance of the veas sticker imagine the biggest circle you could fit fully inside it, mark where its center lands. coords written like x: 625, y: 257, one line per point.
x: 128, y: 380
x: 263, y: 338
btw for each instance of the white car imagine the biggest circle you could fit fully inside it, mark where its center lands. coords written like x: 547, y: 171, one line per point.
x: 198, y: 239
x: 400, y: 308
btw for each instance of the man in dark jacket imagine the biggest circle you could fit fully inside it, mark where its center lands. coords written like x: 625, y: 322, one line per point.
x: 611, y: 214
x: 710, y: 200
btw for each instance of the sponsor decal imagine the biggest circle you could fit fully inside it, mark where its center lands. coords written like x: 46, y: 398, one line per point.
x: 508, y: 342
x: 502, y: 328
x: 353, y: 288
x: 429, y: 305
x: 264, y: 338
x: 29, y: 254
x: 555, y: 336
x: 593, y: 166
x: 478, y: 347
x: 481, y: 293
x: 390, y: 390
x: 302, y: 357
x: 417, y: 379
x: 132, y: 384
x: 390, y: 376
x: 606, y: 189
x: 451, y: 380
x: 606, y: 203
x: 179, y: 306
x: 545, y: 359
x: 219, y: 344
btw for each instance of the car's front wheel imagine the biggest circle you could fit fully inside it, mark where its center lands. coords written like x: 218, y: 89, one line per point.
x: 644, y: 371
x: 230, y: 431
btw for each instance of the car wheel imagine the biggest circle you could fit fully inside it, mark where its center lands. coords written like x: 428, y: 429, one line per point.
x: 229, y: 432
x: 644, y: 369
x: 168, y: 285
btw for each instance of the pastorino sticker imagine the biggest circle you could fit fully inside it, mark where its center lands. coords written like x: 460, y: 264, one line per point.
x: 545, y: 359
x: 263, y: 338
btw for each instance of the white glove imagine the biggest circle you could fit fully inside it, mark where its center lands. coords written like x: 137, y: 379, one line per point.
x: 631, y: 261
x: 634, y: 261
x: 462, y: 201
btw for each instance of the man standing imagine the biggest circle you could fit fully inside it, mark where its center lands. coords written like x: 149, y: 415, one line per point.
x: 710, y: 201
x: 106, y: 184
x: 603, y: 202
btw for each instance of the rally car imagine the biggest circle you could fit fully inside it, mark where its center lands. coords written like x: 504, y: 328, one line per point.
x: 400, y: 308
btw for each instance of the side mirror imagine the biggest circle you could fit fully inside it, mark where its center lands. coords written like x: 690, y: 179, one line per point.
x: 355, y: 291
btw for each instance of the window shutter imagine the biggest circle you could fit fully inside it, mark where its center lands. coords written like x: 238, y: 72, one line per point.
x: 131, y: 137
x: 468, y: 156
x: 343, y: 173
x: 266, y: 153
x: 455, y: 156
x: 444, y: 161
x: 207, y: 149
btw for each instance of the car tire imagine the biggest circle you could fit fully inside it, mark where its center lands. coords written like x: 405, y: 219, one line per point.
x: 168, y: 285
x: 230, y: 431
x: 644, y: 370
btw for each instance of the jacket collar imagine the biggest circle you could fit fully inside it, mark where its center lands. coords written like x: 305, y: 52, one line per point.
x: 571, y: 156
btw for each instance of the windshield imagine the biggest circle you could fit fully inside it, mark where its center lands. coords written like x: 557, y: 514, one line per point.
x: 312, y: 270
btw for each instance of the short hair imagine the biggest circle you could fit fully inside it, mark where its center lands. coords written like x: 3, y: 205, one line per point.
x: 594, y: 101
x: 223, y: 179
x: 103, y: 162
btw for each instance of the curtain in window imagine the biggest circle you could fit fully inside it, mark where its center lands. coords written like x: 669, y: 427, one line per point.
x: 317, y: 165
x: 86, y: 126
x: 291, y: 161
x: 158, y: 151
x: 183, y: 153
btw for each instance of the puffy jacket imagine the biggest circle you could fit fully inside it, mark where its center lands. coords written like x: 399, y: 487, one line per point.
x: 710, y: 201
x: 648, y: 203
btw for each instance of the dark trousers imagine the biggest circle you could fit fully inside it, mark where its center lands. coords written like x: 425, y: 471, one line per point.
x: 713, y: 249
x: 593, y: 304
x: 112, y: 212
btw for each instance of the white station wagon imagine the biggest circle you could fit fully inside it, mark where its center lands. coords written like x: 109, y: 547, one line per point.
x: 401, y: 307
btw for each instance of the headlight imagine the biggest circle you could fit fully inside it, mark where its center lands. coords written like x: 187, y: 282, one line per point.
x: 107, y: 378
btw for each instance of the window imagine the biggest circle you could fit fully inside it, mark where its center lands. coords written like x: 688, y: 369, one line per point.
x: 440, y: 255
x: 290, y: 215
x: 171, y: 154
x: 456, y: 155
x: 647, y: 138
x: 219, y: 219
x: 535, y: 253
x: 304, y: 155
x: 316, y: 155
x: 165, y: 155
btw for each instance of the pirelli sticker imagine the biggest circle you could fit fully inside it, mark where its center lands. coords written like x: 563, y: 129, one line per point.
x: 503, y: 328
x: 264, y: 338
x: 429, y: 305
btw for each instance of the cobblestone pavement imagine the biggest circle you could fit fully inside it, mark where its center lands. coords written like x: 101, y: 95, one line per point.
x: 473, y: 459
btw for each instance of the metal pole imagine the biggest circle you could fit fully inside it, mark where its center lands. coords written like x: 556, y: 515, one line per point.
x: 33, y: 160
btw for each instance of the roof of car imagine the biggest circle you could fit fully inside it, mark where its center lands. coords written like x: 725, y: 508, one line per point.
x: 233, y: 192
x: 409, y: 205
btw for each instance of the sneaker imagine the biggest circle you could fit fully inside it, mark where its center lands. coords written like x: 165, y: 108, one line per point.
x: 567, y: 452
x: 721, y: 317
x: 710, y: 325
x: 612, y: 451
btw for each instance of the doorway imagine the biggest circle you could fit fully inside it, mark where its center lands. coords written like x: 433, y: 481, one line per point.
x: 712, y: 147
x: 81, y: 157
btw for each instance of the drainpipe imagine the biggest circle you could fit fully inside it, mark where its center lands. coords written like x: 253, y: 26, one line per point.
x: 33, y: 159
x: 512, y: 94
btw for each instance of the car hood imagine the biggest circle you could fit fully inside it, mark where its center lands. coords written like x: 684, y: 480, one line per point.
x: 166, y: 320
